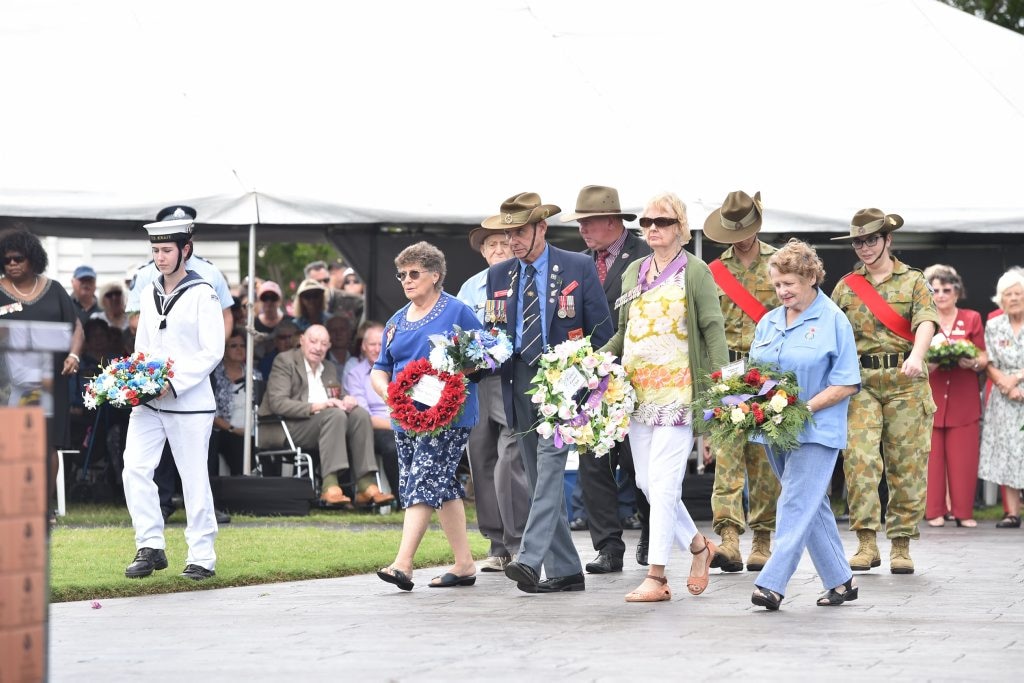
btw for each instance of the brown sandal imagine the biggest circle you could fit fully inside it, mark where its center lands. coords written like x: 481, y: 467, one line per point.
x: 697, y: 584
x: 658, y: 595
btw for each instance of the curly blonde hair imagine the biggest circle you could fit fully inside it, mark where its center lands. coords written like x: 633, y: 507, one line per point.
x: 799, y: 258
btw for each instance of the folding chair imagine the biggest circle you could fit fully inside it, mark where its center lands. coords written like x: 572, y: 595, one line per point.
x: 301, y: 461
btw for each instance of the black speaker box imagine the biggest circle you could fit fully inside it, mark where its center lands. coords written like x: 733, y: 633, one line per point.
x: 263, y: 496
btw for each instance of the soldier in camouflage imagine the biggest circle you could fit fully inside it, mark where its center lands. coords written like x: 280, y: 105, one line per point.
x: 890, y: 420
x: 738, y: 223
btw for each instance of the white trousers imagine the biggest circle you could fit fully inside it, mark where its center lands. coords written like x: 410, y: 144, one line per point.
x: 189, y: 437
x: 659, y: 456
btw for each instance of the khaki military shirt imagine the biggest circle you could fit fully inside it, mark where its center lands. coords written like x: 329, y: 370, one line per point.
x: 908, y: 294
x: 739, y: 327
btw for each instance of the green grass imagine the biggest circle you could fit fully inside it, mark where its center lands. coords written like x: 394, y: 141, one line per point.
x: 90, y: 548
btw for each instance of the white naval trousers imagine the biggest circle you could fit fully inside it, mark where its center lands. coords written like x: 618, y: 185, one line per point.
x: 659, y: 458
x: 189, y: 437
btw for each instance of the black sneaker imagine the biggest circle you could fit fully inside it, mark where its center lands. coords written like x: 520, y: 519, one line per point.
x: 146, y: 561
x: 197, y: 573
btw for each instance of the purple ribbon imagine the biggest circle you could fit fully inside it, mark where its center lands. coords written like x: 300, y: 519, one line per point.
x: 734, y: 400
x: 592, y: 402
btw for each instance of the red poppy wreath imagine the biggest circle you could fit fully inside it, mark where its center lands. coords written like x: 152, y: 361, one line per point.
x: 435, y: 419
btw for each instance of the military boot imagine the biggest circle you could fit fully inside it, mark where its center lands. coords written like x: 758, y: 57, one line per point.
x: 728, y: 557
x: 760, y: 552
x: 899, y: 556
x: 867, y: 555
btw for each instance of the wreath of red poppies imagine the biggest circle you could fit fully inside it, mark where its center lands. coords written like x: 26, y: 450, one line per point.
x: 432, y: 420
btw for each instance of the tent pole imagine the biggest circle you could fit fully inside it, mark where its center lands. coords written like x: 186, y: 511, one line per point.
x: 249, y: 352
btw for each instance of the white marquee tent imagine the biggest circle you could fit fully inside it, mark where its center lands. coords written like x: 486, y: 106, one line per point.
x: 329, y: 113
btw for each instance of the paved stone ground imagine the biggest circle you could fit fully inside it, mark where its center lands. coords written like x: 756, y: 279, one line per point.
x: 959, y: 618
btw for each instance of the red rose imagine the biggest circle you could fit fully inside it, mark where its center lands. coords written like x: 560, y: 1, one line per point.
x: 716, y: 375
x: 791, y: 399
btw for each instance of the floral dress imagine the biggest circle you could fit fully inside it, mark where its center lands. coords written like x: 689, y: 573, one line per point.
x: 656, y: 353
x: 1002, y: 441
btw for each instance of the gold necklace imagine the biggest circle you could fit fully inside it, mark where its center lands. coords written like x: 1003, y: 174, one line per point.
x: 22, y: 294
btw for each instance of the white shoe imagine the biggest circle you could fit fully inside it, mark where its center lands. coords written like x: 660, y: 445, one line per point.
x: 494, y: 563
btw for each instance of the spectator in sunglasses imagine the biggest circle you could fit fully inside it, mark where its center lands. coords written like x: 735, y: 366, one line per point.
x: 112, y: 305
x: 335, y: 299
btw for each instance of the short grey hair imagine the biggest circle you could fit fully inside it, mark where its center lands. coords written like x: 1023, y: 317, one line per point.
x: 315, y: 265
x: 1014, y: 276
x: 426, y: 255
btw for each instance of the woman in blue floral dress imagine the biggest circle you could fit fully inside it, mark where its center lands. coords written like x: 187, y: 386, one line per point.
x: 427, y: 464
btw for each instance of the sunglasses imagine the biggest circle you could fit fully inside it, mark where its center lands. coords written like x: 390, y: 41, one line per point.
x: 351, y: 281
x: 944, y: 290
x: 866, y: 242
x: 270, y: 297
x: 659, y: 223
x: 236, y: 346
x: 412, y: 274
x: 325, y: 281
x: 112, y: 295
x: 8, y: 260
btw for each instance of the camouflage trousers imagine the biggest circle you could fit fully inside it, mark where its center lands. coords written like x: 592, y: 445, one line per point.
x: 889, y: 431
x: 733, y: 466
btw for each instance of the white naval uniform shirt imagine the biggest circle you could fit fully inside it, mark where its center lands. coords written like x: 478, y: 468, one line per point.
x: 200, y: 266
x: 193, y: 339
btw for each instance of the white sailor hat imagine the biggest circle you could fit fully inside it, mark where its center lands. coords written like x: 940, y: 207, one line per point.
x: 176, y: 230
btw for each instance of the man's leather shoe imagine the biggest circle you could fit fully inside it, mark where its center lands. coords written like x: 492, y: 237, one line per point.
x: 604, y: 564
x: 373, y: 496
x: 146, y: 561
x: 334, y: 496
x: 222, y: 517
x: 562, y: 584
x: 578, y: 524
x: 641, y: 547
x: 197, y: 573
x: 522, y: 574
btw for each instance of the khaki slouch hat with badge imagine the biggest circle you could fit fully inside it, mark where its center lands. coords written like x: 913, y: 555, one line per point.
x: 519, y: 210
x: 870, y: 221
x: 598, y: 200
x: 738, y: 218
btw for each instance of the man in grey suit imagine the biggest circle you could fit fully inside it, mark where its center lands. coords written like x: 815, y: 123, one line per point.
x: 303, y: 388
x: 613, y: 248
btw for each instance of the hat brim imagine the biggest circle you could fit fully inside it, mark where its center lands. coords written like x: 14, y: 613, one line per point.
x: 538, y: 214
x: 885, y: 228
x: 597, y: 214
x: 715, y: 232
x: 477, y: 237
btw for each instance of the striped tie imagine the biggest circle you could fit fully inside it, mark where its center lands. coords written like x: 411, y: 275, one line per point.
x: 532, y: 341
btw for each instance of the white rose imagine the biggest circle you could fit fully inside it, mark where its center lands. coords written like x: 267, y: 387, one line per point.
x: 539, y: 397
x: 545, y: 430
x: 566, y: 412
x: 590, y: 362
x: 777, y: 419
x: 737, y: 415
x: 722, y: 388
x: 548, y: 409
x: 593, y: 382
x: 778, y: 403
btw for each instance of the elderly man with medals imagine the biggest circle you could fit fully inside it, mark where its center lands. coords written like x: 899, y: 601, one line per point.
x: 746, y: 294
x: 541, y: 297
x: 181, y: 321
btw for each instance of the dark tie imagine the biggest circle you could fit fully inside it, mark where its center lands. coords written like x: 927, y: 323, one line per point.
x: 532, y: 340
x: 602, y: 265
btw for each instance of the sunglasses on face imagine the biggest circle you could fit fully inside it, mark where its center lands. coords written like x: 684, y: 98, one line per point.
x: 351, y: 281
x: 8, y: 260
x: 866, y: 242
x: 325, y: 281
x: 270, y: 297
x: 659, y: 223
x: 112, y: 295
x: 944, y: 290
x: 236, y: 346
x: 412, y: 275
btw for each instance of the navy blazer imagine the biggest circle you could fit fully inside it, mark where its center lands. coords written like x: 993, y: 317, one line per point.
x: 592, y: 315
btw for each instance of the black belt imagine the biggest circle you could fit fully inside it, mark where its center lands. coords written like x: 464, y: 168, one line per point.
x: 736, y: 355
x: 876, y: 361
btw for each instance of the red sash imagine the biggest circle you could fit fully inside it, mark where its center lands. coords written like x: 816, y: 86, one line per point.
x: 739, y: 295
x: 881, y: 309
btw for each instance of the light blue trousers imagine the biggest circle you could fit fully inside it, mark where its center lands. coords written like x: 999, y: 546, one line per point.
x: 804, y: 519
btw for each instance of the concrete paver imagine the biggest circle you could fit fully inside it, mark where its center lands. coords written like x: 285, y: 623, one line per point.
x: 958, y: 618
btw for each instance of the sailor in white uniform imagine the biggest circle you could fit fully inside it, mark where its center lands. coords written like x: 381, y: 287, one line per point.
x: 180, y: 320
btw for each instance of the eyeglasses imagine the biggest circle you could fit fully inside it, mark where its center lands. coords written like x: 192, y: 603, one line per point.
x: 944, y: 290
x: 351, y: 281
x: 325, y: 281
x: 8, y: 260
x: 659, y: 223
x: 866, y: 242
x: 413, y: 275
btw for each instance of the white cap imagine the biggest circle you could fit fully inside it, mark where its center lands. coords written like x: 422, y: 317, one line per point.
x: 170, y: 231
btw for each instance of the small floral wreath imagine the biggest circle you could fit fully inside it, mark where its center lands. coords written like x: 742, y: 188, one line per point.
x: 433, y: 420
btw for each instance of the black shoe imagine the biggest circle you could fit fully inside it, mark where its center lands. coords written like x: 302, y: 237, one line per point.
x: 604, y: 564
x: 1009, y: 522
x: 835, y: 597
x: 763, y: 597
x: 578, y: 524
x: 197, y: 573
x: 222, y: 517
x: 561, y: 584
x: 632, y: 522
x: 146, y: 561
x: 523, y: 575
x: 167, y: 512
x: 641, y: 546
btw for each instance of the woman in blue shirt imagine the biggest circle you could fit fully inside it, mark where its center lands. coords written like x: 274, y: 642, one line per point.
x: 427, y: 464
x: 810, y: 336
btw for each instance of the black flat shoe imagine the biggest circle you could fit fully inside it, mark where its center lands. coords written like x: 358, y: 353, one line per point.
x: 1009, y: 522
x: 762, y: 597
x: 604, y: 564
x: 197, y: 573
x: 396, y: 577
x: 448, y: 580
x: 147, y: 560
x: 560, y: 584
x: 835, y: 596
x: 522, y: 574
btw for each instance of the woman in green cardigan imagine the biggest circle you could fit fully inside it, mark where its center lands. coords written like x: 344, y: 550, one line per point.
x: 671, y: 331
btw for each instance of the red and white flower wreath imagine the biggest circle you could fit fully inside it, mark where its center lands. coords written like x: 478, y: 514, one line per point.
x: 435, y: 419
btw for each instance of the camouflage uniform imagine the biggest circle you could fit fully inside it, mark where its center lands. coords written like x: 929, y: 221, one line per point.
x: 891, y: 409
x: 733, y: 466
